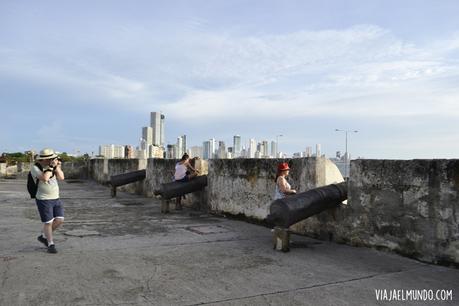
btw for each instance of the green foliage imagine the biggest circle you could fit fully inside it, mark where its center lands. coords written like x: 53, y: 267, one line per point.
x: 14, y: 158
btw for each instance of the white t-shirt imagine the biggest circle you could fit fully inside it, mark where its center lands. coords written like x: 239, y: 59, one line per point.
x: 180, y: 171
x: 48, y: 190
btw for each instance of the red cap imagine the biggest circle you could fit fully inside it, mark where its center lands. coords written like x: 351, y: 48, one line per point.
x: 282, y: 167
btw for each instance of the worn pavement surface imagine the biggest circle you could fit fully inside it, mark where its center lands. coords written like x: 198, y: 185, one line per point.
x: 124, y: 252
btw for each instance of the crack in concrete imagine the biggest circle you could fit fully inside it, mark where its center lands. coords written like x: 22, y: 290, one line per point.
x: 302, y: 288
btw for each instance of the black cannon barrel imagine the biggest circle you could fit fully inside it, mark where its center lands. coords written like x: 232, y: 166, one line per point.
x: 175, y: 189
x: 126, y: 178
x: 292, y: 209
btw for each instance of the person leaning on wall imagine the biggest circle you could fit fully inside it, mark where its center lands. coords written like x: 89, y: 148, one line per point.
x: 283, y: 188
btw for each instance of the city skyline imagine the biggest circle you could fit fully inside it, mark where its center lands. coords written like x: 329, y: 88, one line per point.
x: 153, y: 144
x: 75, y: 75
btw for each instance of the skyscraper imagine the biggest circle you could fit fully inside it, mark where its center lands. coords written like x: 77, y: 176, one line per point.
x: 221, y: 152
x: 213, y: 147
x: 318, y: 152
x: 147, y: 137
x: 163, y: 138
x: 265, y: 149
x: 236, y: 146
x: 206, y: 150
x: 157, y: 124
x: 181, y: 146
x: 273, y: 149
x: 252, y: 148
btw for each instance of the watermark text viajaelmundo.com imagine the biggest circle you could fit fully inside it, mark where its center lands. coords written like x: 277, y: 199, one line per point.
x: 414, y: 294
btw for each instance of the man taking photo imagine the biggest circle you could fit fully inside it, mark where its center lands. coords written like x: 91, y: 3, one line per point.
x: 47, y: 197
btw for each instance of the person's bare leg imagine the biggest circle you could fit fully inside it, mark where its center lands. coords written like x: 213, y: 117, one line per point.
x: 48, y: 231
x: 56, y: 223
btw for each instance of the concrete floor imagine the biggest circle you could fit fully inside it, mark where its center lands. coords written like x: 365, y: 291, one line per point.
x: 124, y: 252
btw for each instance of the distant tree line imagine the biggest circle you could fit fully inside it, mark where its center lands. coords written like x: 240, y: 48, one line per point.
x: 16, y: 157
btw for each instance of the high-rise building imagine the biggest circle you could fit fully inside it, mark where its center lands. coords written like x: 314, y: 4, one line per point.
x: 157, y: 124
x: 206, y: 150
x: 308, y: 152
x: 252, y: 148
x: 213, y: 147
x: 163, y: 138
x: 318, y: 152
x: 221, y: 152
x: 147, y: 137
x: 171, y: 151
x: 265, y: 149
x: 273, y: 149
x: 181, y: 146
x: 236, y: 146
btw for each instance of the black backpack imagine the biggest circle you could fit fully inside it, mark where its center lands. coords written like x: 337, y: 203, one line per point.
x: 32, y: 186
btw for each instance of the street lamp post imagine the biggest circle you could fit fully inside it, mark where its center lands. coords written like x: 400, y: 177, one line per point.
x: 277, y: 144
x: 346, y: 154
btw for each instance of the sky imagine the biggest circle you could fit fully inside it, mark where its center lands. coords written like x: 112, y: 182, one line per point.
x: 77, y: 74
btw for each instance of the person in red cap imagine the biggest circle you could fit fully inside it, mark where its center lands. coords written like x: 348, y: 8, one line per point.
x: 283, y: 188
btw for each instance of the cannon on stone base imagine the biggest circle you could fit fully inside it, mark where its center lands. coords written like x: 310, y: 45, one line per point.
x: 178, y: 189
x: 292, y: 209
x: 126, y: 178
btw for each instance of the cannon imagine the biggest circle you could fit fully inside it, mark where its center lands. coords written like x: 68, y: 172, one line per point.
x: 126, y: 178
x: 292, y: 209
x: 178, y: 189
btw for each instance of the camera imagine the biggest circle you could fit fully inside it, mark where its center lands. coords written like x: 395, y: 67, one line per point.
x: 58, y: 159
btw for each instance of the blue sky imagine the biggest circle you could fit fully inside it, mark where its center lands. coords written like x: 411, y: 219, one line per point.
x: 76, y: 74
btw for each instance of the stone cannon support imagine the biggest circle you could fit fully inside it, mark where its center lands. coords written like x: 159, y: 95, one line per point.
x: 126, y: 178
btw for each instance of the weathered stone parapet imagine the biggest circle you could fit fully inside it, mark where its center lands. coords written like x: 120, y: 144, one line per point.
x: 407, y: 206
x: 76, y: 170
x: 246, y: 186
x: 101, y: 169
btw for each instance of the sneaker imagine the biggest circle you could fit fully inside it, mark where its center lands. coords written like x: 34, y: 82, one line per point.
x: 52, y: 249
x: 43, y: 240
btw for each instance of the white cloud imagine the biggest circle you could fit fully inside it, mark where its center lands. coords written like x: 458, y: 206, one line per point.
x: 360, y: 71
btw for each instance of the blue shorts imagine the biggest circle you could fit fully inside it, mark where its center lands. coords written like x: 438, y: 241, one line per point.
x: 50, y: 209
x: 184, y: 179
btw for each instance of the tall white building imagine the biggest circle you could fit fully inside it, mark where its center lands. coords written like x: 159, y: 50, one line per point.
x: 252, y: 148
x: 147, y: 137
x: 236, y: 146
x: 163, y: 137
x: 181, y: 146
x: 208, y: 148
x: 318, y: 152
x: 273, y: 149
x: 157, y: 124
x: 264, y: 149
x: 221, y: 152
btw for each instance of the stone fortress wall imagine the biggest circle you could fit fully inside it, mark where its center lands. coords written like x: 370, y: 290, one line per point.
x: 406, y: 206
